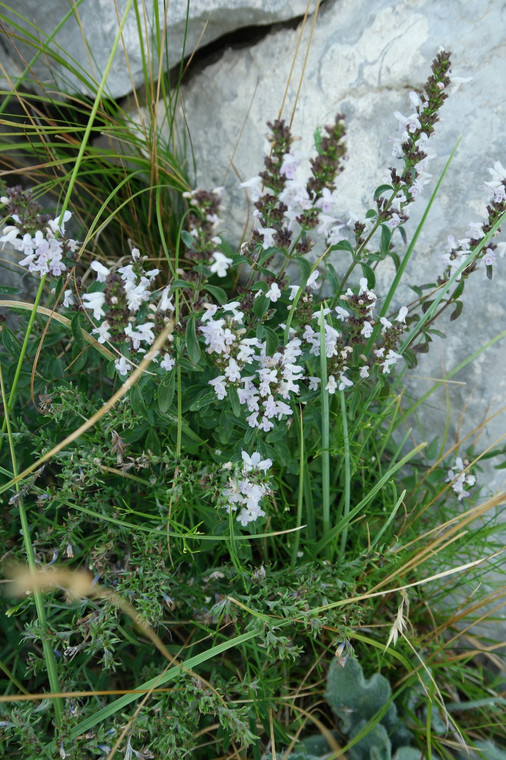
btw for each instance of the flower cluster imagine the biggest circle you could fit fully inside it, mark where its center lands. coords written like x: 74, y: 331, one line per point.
x: 292, y: 196
x: 411, y: 146
x: 266, y: 382
x: 40, y: 239
x: 457, y: 251
x: 122, y: 303
x: 203, y: 221
x: 459, y: 476
x: 246, y: 487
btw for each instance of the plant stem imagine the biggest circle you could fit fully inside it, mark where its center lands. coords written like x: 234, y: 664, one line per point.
x: 325, y: 434
x: 39, y: 602
x: 347, y: 473
x: 296, y: 540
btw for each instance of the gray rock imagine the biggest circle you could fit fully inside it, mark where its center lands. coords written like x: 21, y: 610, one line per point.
x: 208, y: 20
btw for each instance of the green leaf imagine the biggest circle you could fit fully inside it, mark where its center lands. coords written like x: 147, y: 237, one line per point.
x: 396, y: 259
x: 192, y: 343
x: 382, y: 189
x: 369, y: 275
x: 181, y: 284
x: 139, y: 405
x: 317, y: 137
x: 277, y: 434
x: 166, y: 391
x: 10, y: 343
x: 187, y: 365
x: 343, y: 245
x: 5, y: 290
x: 234, y: 400
x: 432, y: 449
x: 459, y: 289
x: 457, y: 311
x: 225, y: 427
x: 205, y: 398
x: 386, y: 236
x: 56, y: 368
x: 187, y: 239
x: 152, y: 442
x: 305, y: 268
x: 272, y: 340
x: 79, y: 358
x: 217, y: 293
x: 77, y: 333
x: 210, y: 420
x: 260, y: 306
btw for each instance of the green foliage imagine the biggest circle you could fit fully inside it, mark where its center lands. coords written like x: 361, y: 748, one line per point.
x: 225, y: 555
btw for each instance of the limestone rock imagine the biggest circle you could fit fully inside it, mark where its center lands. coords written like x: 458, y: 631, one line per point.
x: 208, y: 20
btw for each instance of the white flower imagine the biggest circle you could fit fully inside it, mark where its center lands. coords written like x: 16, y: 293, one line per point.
x: 102, y: 272
x: 461, y: 478
x: 409, y: 123
x: 167, y: 362
x: 268, y: 236
x: 55, y: 227
x: 219, y: 386
x: 122, y: 366
x: 221, y: 264
x: 102, y: 331
x: 95, y: 301
x: 165, y: 304
x: 401, y: 316
x: 312, y: 280
x: 254, y: 462
x: 10, y: 235
x: 274, y: 293
x: 496, y: 186
x: 68, y: 299
x: 344, y: 382
x: 234, y: 308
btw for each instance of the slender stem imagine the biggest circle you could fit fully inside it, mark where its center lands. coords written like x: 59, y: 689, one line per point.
x: 347, y: 473
x: 300, y: 500
x: 49, y: 658
x: 325, y: 433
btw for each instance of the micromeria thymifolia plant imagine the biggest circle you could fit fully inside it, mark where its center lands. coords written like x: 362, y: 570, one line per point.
x: 214, y: 436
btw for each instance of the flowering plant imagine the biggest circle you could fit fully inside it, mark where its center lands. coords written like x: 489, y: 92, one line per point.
x: 243, y: 395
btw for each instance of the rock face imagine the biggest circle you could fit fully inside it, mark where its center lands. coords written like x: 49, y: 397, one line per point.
x: 364, y: 59
x: 207, y: 20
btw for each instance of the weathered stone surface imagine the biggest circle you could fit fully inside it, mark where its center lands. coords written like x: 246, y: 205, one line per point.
x: 364, y: 58
x: 208, y: 20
